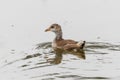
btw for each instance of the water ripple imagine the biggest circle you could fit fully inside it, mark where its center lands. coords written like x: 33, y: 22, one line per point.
x: 54, y: 64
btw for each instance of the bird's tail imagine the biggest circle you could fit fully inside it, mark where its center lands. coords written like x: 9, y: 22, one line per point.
x: 81, y: 44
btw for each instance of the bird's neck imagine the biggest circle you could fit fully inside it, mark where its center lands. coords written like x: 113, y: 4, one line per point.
x: 58, y: 35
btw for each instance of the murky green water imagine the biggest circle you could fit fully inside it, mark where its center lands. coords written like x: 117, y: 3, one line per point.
x: 98, y: 61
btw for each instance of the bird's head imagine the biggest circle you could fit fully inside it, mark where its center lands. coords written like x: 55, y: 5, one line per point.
x: 54, y: 28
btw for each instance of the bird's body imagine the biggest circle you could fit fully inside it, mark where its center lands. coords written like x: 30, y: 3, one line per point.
x: 61, y: 43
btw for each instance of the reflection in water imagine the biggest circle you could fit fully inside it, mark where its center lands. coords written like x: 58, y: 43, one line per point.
x: 44, y: 63
x: 59, y: 54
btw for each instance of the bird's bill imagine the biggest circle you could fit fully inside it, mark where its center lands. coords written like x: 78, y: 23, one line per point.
x: 47, y: 30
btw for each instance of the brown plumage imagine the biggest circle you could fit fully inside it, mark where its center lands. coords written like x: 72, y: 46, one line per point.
x: 61, y: 43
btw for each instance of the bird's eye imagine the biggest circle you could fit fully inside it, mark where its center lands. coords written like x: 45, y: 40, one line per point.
x: 52, y: 26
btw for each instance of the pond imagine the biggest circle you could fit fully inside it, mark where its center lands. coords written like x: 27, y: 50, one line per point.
x: 26, y: 52
x: 98, y: 61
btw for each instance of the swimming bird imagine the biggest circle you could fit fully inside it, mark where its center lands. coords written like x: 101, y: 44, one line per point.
x: 60, y: 43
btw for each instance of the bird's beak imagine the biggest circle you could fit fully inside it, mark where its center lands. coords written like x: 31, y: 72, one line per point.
x: 47, y: 30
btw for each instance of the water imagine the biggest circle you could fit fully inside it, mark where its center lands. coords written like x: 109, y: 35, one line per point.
x: 25, y: 49
x: 99, y: 61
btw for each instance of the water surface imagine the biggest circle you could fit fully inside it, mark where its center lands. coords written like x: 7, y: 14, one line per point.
x: 22, y: 25
x: 98, y: 61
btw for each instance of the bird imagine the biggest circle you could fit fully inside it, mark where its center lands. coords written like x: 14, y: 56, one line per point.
x: 60, y: 43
